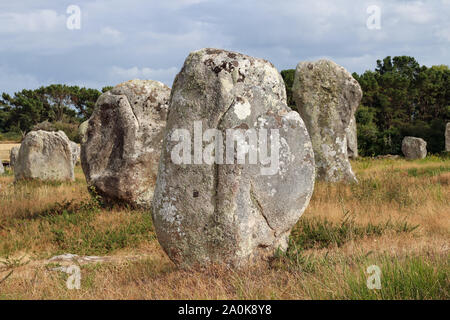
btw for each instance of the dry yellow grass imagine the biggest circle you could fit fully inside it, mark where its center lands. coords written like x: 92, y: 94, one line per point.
x: 5, y: 149
x: 390, y: 195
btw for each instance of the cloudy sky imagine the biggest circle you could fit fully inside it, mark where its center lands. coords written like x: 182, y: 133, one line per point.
x: 135, y: 39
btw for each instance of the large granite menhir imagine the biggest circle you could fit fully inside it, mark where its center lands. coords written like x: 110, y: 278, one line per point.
x: 230, y: 212
x: 327, y: 97
x: 121, y: 145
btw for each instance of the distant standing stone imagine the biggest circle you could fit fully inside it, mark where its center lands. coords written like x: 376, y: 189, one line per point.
x: 327, y: 97
x: 44, y: 155
x: 122, y: 144
x: 13, y: 154
x: 447, y: 137
x: 75, y: 148
x: 414, y: 148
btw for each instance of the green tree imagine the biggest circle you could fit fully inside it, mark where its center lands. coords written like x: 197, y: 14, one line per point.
x: 288, y: 77
x: 25, y: 109
x: 84, y: 100
x: 400, y: 98
x: 61, y: 105
x: 107, y: 88
x: 406, y: 99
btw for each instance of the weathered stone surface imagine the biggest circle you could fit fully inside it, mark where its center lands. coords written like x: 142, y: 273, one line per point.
x: 447, y: 137
x: 123, y: 141
x: 44, y: 155
x: 352, y: 139
x: 414, y: 148
x: 226, y: 212
x: 13, y: 154
x: 82, y: 129
x: 45, y: 126
x: 76, y: 151
x: 327, y: 97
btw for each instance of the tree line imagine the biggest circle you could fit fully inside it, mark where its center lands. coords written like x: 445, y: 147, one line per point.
x: 400, y: 98
x: 56, y: 106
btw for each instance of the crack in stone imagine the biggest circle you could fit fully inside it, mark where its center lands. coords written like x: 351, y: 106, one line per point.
x: 216, y: 219
x: 260, y: 208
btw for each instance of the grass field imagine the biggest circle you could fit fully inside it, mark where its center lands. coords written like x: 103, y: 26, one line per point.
x: 396, y: 218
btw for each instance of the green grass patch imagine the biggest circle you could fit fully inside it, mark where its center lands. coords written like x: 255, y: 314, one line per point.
x: 429, y: 172
x: 8, y: 172
x: 11, y: 136
x: 88, y: 240
x: 36, y: 183
x: 72, y: 227
x: 386, y: 189
x: 321, y: 233
x: 416, y: 278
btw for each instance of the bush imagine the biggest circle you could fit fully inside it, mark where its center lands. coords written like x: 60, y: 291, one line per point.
x: 70, y: 129
x: 11, y: 136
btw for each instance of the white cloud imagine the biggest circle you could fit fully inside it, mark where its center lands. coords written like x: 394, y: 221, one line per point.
x: 10, y: 79
x: 124, y: 74
x: 36, y: 21
x: 416, y: 12
x: 182, y: 3
x: 112, y: 33
x: 117, y: 39
x: 444, y: 34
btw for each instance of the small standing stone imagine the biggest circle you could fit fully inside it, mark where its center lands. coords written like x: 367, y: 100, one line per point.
x: 414, y: 148
x: 13, y: 154
x: 44, y: 155
x: 75, y: 148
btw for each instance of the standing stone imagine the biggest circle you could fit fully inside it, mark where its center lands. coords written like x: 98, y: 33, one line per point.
x: 230, y: 212
x: 122, y: 144
x: 327, y: 97
x: 75, y: 149
x: 13, y: 154
x: 82, y: 129
x: 44, y: 155
x: 447, y: 137
x: 414, y: 148
x: 352, y: 139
